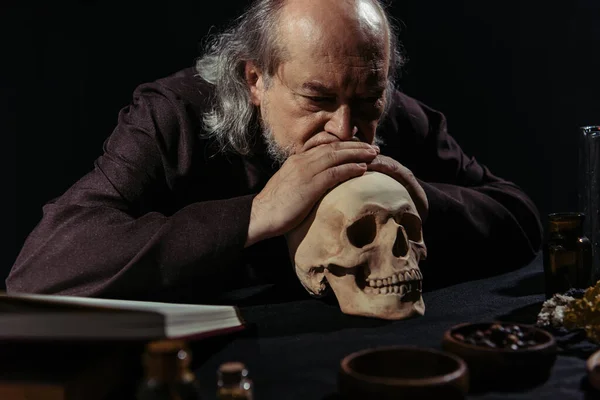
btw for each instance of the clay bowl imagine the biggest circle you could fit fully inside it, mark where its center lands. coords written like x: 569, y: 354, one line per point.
x: 592, y: 366
x: 503, y: 368
x: 402, y: 372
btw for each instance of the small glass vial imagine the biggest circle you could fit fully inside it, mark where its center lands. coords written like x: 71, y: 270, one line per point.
x: 567, y: 254
x: 233, y: 382
x: 167, y: 372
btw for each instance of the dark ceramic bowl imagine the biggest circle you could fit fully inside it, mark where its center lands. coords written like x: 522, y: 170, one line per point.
x: 592, y: 366
x: 402, y: 372
x: 501, y: 368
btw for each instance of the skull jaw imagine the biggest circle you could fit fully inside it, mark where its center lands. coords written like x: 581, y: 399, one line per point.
x: 354, y: 301
x: 390, y: 309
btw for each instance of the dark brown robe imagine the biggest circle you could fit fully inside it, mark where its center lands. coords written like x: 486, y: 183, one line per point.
x: 164, y: 216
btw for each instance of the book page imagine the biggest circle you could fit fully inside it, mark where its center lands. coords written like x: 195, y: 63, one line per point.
x: 37, y: 316
x: 171, y: 309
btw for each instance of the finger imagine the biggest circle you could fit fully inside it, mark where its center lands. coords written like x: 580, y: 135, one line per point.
x: 405, y: 176
x: 321, y: 151
x: 321, y: 157
x: 324, y: 138
x: 352, y: 144
x: 393, y: 168
x: 319, y: 139
x: 333, y: 176
x: 400, y: 173
x: 320, y: 161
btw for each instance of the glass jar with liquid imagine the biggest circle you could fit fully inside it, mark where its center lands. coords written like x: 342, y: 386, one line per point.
x: 167, y: 372
x: 567, y: 254
x: 233, y: 382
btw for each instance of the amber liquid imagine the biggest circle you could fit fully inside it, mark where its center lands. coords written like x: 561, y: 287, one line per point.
x: 167, y: 373
x: 567, y: 255
x: 233, y: 394
x: 173, y: 391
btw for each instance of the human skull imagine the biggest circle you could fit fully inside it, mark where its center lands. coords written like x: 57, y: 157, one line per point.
x: 364, y: 240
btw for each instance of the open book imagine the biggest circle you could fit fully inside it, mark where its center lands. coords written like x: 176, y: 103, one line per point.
x: 28, y: 316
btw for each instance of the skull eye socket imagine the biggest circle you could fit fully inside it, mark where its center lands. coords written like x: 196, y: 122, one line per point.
x: 412, y: 226
x: 363, y: 231
x: 401, y: 246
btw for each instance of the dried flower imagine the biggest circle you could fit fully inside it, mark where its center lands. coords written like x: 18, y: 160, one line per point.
x: 584, y: 313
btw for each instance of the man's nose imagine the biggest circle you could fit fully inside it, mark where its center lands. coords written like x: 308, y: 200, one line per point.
x: 340, y: 123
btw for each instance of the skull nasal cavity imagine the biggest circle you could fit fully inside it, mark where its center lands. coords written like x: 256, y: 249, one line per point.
x: 400, y: 248
x: 363, y: 231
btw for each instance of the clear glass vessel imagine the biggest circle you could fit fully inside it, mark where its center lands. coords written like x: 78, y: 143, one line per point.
x: 589, y: 189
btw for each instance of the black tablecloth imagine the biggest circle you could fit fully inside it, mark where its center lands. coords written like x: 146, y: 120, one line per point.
x: 293, y: 349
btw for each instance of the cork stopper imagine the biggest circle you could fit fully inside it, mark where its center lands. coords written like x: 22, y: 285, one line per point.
x: 167, y: 361
x: 232, y: 373
x: 566, y: 222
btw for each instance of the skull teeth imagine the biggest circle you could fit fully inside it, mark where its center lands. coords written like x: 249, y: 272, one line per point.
x: 412, y: 275
x: 400, y: 289
x: 401, y: 283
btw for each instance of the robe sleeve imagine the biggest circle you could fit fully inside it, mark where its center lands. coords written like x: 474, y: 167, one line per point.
x: 101, y: 237
x: 478, y: 224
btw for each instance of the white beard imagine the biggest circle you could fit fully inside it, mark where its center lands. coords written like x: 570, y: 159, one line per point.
x: 279, y: 154
x: 275, y: 151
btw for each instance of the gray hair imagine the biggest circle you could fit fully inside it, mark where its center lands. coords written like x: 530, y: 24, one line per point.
x: 233, y: 119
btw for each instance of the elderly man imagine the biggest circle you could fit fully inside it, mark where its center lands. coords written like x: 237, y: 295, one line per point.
x: 209, y: 167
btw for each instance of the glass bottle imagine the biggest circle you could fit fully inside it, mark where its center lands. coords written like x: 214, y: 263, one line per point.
x: 589, y: 189
x: 567, y: 254
x: 167, y: 373
x: 233, y: 382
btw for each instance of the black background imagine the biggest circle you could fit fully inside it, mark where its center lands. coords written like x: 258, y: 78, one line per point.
x: 515, y: 79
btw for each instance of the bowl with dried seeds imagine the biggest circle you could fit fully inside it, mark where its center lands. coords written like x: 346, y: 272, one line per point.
x: 502, y: 356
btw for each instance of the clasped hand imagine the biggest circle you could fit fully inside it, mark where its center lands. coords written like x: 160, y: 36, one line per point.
x: 305, y: 177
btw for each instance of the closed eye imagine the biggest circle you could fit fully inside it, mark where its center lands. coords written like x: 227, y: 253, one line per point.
x: 374, y: 101
x: 321, y: 99
x: 370, y: 99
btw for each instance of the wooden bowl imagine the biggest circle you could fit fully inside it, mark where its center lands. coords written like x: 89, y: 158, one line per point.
x: 592, y: 366
x: 503, y: 369
x: 402, y: 372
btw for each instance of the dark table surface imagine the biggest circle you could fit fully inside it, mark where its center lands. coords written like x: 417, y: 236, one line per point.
x: 293, y: 349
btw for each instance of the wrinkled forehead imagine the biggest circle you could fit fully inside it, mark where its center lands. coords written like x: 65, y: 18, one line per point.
x: 334, y: 28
